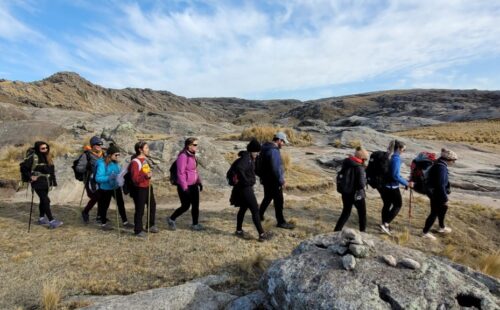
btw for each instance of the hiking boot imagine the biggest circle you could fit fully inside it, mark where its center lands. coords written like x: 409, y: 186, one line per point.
x: 85, y: 217
x: 239, y: 234
x: 128, y: 225
x: 171, y: 224
x: 385, y: 229
x: 99, y: 221
x: 265, y: 237
x: 429, y: 236
x: 154, y: 229
x: 106, y: 227
x: 42, y: 221
x: 141, y: 235
x: 197, y: 227
x: 286, y: 225
x: 54, y: 224
x: 444, y: 230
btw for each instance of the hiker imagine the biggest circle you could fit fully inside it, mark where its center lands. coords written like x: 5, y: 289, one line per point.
x: 351, y: 184
x: 242, y: 195
x: 390, y: 193
x: 273, y: 178
x: 87, y: 165
x: 39, y: 170
x: 438, y: 191
x: 189, y: 184
x: 143, y: 194
x: 107, y: 171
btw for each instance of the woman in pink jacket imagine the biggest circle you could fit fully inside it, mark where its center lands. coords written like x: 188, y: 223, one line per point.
x: 188, y: 184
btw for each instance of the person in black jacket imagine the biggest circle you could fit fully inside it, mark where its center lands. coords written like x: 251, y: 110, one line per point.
x: 439, y: 189
x: 242, y: 195
x: 39, y: 169
x: 353, y: 189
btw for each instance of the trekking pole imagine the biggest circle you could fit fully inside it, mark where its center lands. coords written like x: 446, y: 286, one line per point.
x: 409, y: 210
x: 31, y: 209
x: 117, y: 220
x: 83, y: 191
x: 149, y: 207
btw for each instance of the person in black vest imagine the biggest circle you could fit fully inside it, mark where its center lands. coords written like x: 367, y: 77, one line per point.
x: 273, y: 179
x: 39, y: 169
x: 243, y: 195
x: 439, y: 189
x: 353, y: 188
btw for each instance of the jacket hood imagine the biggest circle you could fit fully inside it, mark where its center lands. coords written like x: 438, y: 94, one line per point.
x: 349, y: 162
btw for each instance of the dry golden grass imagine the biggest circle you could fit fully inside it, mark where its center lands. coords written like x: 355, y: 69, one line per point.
x: 266, y: 133
x: 152, y: 136
x: 355, y: 143
x: 486, y: 132
x: 86, y: 260
x: 51, y: 295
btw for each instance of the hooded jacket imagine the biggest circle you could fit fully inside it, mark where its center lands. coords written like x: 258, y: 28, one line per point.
x: 106, y: 174
x: 439, y: 184
x: 187, y: 173
x: 395, y: 177
x: 273, y: 172
x: 353, y: 167
x: 245, y: 170
x: 42, y: 169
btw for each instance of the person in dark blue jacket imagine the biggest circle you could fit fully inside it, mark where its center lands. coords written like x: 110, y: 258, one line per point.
x: 273, y: 179
x: 390, y: 193
x: 439, y: 189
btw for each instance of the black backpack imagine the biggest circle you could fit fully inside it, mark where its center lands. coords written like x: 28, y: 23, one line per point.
x: 377, y: 172
x: 232, y: 174
x: 345, y: 180
x: 258, y: 165
x: 173, y: 173
x: 81, y: 176
x: 24, y: 165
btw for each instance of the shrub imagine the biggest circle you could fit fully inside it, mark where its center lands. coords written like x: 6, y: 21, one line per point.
x: 266, y: 133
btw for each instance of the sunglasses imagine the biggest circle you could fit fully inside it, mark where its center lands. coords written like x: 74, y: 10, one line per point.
x: 116, y: 154
x: 194, y: 144
x: 43, y: 148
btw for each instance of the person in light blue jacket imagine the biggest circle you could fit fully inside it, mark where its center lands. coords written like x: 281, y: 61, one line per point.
x: 390, y: 193
x: 107, y: 170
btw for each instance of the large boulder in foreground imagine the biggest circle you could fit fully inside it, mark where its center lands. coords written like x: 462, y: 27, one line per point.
x: 315, y: 277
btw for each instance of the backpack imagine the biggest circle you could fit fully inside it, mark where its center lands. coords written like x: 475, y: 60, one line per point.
x: 173, y: 173
x: 124, y: 178
x: 258, y: 165
x: 377, y: 171
x: 81, y: 176
x: 232, y: 174
x: 345, y: 180
x: 419, y: 171
x: 24, y: 165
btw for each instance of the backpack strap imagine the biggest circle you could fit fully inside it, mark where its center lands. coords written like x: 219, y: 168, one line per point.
x: 138, y: 163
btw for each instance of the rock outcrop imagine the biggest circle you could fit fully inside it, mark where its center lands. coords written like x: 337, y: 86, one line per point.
x: 315, y: 277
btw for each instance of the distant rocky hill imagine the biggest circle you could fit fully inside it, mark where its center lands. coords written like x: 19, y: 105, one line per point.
x: 69, y: 91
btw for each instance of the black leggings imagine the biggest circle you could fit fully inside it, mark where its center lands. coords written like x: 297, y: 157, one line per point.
x: 273, y: 193
x: 141, y: 198
x: 348, y: 201
x: 248, y: 201
x: 105, y: 200
x: 438, y: 210
x: 390, y: 197
x: 44, y: 206
x: 188, y: 198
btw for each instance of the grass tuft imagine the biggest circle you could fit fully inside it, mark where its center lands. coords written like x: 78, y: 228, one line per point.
x: 51, y: 295
x: 266, y: 133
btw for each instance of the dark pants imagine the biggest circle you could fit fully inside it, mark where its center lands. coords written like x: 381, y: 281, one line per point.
x: 438, y: 210
x: 105, y: 200
x: 141, y: 198
x: 348, y: 201
x: 392, y: 203
x: 248, y: 201
x: 273, y: 193
x: 188, y: 198
x: 44, y: 206
x: 94, y: 198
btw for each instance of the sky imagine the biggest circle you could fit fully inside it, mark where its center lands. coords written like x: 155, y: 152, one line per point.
x: 300, y: 49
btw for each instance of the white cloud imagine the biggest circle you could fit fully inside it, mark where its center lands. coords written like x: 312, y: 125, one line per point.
x: 12, y: 29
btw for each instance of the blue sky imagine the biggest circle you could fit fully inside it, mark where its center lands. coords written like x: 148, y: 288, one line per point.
x: 303, y: 49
